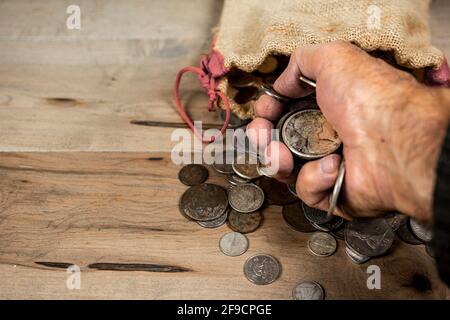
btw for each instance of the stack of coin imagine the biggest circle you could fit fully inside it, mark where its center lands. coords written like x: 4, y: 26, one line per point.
x: 367, y: 238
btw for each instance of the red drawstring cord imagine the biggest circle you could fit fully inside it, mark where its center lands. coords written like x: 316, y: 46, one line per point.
x: 207, y: 79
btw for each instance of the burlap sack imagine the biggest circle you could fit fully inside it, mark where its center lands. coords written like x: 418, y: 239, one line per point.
x: 250, y: 30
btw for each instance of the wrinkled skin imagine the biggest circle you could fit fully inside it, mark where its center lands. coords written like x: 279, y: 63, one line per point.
x: 391, y: 126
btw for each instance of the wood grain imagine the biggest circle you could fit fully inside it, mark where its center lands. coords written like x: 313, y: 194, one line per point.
x: 116, y: 216
x: 81, y: 185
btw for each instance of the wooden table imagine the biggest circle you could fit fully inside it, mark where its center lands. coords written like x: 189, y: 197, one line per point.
x: 81, y: 185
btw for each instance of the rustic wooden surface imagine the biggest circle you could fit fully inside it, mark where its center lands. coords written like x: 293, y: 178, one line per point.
x: 80, y: 185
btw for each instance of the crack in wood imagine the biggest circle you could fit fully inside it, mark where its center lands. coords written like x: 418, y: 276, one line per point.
x: 137, y: 267
x: 59, y: 265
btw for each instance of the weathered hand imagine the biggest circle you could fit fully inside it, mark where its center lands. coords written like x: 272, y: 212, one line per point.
x: 391, y: 126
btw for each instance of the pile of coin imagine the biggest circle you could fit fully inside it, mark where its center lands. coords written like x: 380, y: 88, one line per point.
x: 240, y: 206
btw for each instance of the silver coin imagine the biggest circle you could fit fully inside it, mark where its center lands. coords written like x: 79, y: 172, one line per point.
x: 334, y: 224
x: 223, y: 164
x: 315, y: 215
x: 421, y: 230
x: 246, y: 197
x: 236, y: 180
x: 246, y: 166
x: 322, y: 244
x: 233, y: 244
x: 308, y: 290
x: 406, y: 235
x: 339, y: 233
x: 214, y: 223
x: 337, y: 188
x: 355, y: 257
x: 369, y: 237
x: 308, y: 134
x: 262, y: 269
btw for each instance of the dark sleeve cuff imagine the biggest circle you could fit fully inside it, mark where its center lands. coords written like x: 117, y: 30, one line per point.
x: 441, y: 212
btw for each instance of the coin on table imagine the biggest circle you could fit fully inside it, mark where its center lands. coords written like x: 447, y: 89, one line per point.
x: 315, y: 215
x: 309, y: 135
x: 277, y: 192
x: 204, y: 202
x: 269, y: 65
x: 308, y: 290
x: 406, y: 235
x: 193, y: 174
x: 236, y: 180
x: 369, y: 237
x: 356, y: 257
x: 421, y: 230
x: 322, y: 244
x: 244, y: 222
x: 246, y: 166
x: 339, y: 233
x: 262, y: 269
x: 294, y: 217
x: 214, y: 223
x: 223, y: 163
x: 394, y: 219
x: 246, y: 197
x: 233, y: 244
x: 334, y: 224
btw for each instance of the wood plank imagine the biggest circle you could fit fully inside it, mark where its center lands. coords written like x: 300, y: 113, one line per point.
x: 85, y: 208
x: 440, y: 24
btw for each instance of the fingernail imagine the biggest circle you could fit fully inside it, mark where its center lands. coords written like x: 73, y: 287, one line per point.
x: 329, y: 164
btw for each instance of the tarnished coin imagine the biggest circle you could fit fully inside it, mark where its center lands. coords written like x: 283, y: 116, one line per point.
x: 339, y: 233
x: 214, y: 223
x: 394, y: 219
x: 356, y: 257
x: 233, y: 244
x: 294, y: 217
x: 406, y: 235
x: 262, y: 269
x: 193, y: 174
x: 204, y: 202
x: 246, y: 197
x: 322, y: 244
x: 269, y: 65
x: 244, y: 222
x: 309, y: 135
x: 223, y: 163
x: 246, y: 166
x: 277, y: 192
x: 236, y: 180
x: 315, y: 215
x: 369, y: 237
x: 334, y: 224
x: 308, y: 290
x: 421, y: 230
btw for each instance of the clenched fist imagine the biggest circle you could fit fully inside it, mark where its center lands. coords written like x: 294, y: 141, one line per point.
x: 391, y: 126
